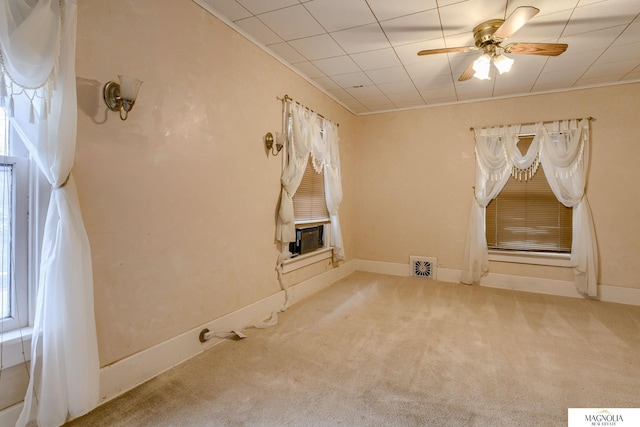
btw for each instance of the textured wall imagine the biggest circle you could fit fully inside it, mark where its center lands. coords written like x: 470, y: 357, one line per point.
x: 180, y: 200
x: 414, y: 188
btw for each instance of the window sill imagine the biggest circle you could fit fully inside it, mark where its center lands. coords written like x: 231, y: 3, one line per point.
x: 535, y: 258
x: 300, y: 261
x: 14, y: 343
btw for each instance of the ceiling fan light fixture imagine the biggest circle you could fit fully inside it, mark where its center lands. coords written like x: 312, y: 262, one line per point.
x: 482, y: 66
x: 503, y: 63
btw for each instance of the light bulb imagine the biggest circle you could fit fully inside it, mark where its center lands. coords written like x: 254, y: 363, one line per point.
x: 481, y: 66
x: 503, y: 63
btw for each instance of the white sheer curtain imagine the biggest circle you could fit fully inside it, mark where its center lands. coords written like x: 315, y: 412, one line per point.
x: 563, y: 153
x: 296, y: 151
x: 333, y: 185
x: 37, y: 44
x: 309, y: 134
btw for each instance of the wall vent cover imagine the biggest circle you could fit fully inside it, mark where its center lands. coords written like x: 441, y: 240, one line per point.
x: 424, y: 267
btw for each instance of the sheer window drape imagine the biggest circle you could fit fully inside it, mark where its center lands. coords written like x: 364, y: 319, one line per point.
x: 563, y: 153
x: 309, y: 134
x: 37, y: 44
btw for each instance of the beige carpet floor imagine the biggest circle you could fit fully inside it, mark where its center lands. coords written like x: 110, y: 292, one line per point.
x: 375, y: 350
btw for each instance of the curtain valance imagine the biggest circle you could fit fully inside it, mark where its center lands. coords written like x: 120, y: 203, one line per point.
x: 562, y: 149
x: 309, y: 136
x: 30, y: 44
x: 38, y: 87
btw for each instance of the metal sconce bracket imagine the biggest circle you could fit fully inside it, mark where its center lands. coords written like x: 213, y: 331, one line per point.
x: 121, y: 97
x: 268, y: 141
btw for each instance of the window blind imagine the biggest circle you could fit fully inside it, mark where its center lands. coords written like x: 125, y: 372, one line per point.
x: 309, y: 203
x: 526, y: 216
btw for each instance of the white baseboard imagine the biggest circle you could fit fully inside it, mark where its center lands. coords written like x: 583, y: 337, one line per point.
x: 608, y: 293
x: 128, y: 373
x: 138, y: 368
x: 9, y: 416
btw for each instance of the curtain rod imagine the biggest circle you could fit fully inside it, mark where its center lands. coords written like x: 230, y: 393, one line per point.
x: 288, y: 98
x: 526, y: 124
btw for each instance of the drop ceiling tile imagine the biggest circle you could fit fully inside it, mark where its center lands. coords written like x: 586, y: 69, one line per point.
x: 634, y: 75
x: 361, y: 39
x: 388, y: 75
x: 292, y: 23
x: 336, y: 65
x: 427, y: 71
x: 621, y: 53
x: 317, y: 47
x: 589, y: 81
x: 380, y: 101
x: 413, y: 28
x: 336, y: 15
x: 438, y: 81
x: 341, y: 94
x: 564, y: 75
x: 409, y: 103
x: 364, y: 92
x: 408, y: 54
x: 286, y: 52
x: 546, y: 7
x: 602, y: 15
x: 261, y: 6
x: 406, y: 97
x: 464, y: 16
x: 443, y: 91
x: 509, y: 83
x: 603, y: 69
x: 397, y: 87
x: 543, y: 28
x: 524, y: 65
x: 326, y: 83
x: 344, y: 38
x: 353, y: 103
x: 352, y: 79
x: 232, y: 10
x: 568, y: 61
x: 383, y: 58
x: 567, y: 77
x: 475, y: 93
x: 309, y: 70
x: 385, y: 9
x: 631, y: 34
x: 594, y: 40
x: 258, y: 30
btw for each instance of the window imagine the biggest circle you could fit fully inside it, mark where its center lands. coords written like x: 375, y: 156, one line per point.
x: 526, y: 216
x: 309, y: 204
x: 310, y: 214
x: 19, y: 184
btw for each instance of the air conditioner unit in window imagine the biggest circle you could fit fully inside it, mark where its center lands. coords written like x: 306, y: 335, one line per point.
x: 308, y: 239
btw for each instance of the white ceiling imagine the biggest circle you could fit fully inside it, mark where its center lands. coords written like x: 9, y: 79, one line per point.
x: 364, y: 52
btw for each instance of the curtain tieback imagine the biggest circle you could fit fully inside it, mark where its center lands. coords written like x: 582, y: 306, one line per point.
x: 63, y: 184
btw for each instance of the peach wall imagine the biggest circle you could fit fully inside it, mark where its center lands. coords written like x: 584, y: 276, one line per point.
x: 179, y: 201
x: 416, y: 170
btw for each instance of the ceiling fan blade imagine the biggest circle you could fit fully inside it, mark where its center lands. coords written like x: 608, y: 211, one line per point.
x: 544, y: 49
x: 447, y: 50
x: 515, y: 21
x: 468, y: 73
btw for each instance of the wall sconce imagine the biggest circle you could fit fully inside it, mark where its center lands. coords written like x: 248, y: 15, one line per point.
x: 121, y: 97
x: 268, y: 141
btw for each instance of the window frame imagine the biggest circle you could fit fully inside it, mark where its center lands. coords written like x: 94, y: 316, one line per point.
x: 545, y: 258
x: 16, y: 335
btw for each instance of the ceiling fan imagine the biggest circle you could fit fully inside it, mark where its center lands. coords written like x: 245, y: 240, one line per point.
x: 489, y: 37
